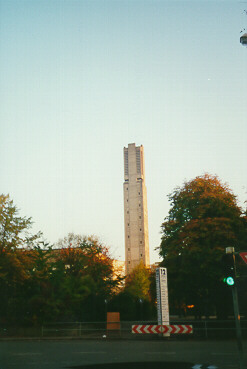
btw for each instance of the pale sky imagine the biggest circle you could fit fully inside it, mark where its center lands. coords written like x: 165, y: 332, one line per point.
x: 79, y: 80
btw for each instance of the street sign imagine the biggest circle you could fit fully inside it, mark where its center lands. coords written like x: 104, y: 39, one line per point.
x: 162, y: 296
x: 244, y: 256
x: 163, y: 329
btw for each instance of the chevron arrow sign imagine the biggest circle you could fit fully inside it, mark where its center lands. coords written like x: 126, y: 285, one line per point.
x: 173, y: 329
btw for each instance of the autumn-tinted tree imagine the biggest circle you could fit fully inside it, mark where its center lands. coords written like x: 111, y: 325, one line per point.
x: 203, y: 220
x: 88, y: 256
x: 39, y: 283
x: 88, y: 265
x: 68, y: 283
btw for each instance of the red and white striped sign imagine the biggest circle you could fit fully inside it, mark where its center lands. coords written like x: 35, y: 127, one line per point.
x: 162, y: 329
x: 244, y: 256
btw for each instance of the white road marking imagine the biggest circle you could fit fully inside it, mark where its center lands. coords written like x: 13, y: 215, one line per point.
x: 223, y: 353
x: 161, y: 352
x: 201, y: 366
x: 90, y: 352
x: 26, y: 353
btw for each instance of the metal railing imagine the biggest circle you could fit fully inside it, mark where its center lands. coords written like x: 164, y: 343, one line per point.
x: 202, y: 329
x: 206, y: 329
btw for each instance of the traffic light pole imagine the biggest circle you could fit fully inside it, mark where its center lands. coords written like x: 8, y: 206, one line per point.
x: 238, y: 328
x: 236, y: 314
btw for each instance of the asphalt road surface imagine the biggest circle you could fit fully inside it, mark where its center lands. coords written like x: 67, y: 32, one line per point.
x: 85, y: 354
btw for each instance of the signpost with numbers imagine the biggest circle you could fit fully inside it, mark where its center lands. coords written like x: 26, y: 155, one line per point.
x: 162, y: 298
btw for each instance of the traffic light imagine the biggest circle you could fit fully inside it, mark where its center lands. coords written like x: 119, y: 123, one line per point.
x: 229, y: 280
x: 229, y: 269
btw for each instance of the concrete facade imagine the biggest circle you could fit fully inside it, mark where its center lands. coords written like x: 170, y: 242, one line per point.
x: 135, y: 208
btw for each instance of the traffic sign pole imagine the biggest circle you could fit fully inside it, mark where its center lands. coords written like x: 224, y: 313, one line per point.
x: 238, y: 328
x: 236, y: 311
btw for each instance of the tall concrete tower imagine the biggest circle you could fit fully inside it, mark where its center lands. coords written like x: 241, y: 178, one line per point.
x: 135, y: 208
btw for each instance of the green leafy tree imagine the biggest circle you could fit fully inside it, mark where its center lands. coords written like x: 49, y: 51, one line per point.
x: 14, y: 229
x: 14, y: 236
x: 203, y: 220
x: 138, y: 282
x: 40, y: 290
x: 136, y: 301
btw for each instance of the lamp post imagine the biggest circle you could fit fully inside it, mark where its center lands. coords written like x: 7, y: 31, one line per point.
x: 105, y: 309
x: 243, y: 39
x: 140, y: 300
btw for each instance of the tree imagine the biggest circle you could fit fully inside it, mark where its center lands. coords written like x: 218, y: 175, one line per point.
x: 138, y: 282
x: 203, y: 220
x: 14, y: 236
x: 14, y: 229
x: 136, y: 301
x: 42, y: 302
x: 87, y: 256
x: 86, y: 260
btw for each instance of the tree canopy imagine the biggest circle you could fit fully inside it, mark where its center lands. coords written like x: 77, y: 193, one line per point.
x: 138, y: 282
x: 203, y: 220
x: 83, y: 256
x: 136, y: 301
x: 14, y: 229
x: 41, y: 283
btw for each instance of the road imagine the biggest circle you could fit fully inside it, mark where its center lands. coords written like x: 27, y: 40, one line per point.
x: 78, y: 354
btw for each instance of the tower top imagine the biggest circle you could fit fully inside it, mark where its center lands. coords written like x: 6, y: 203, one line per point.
x: 132, y: 145
x: 134, y: 163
